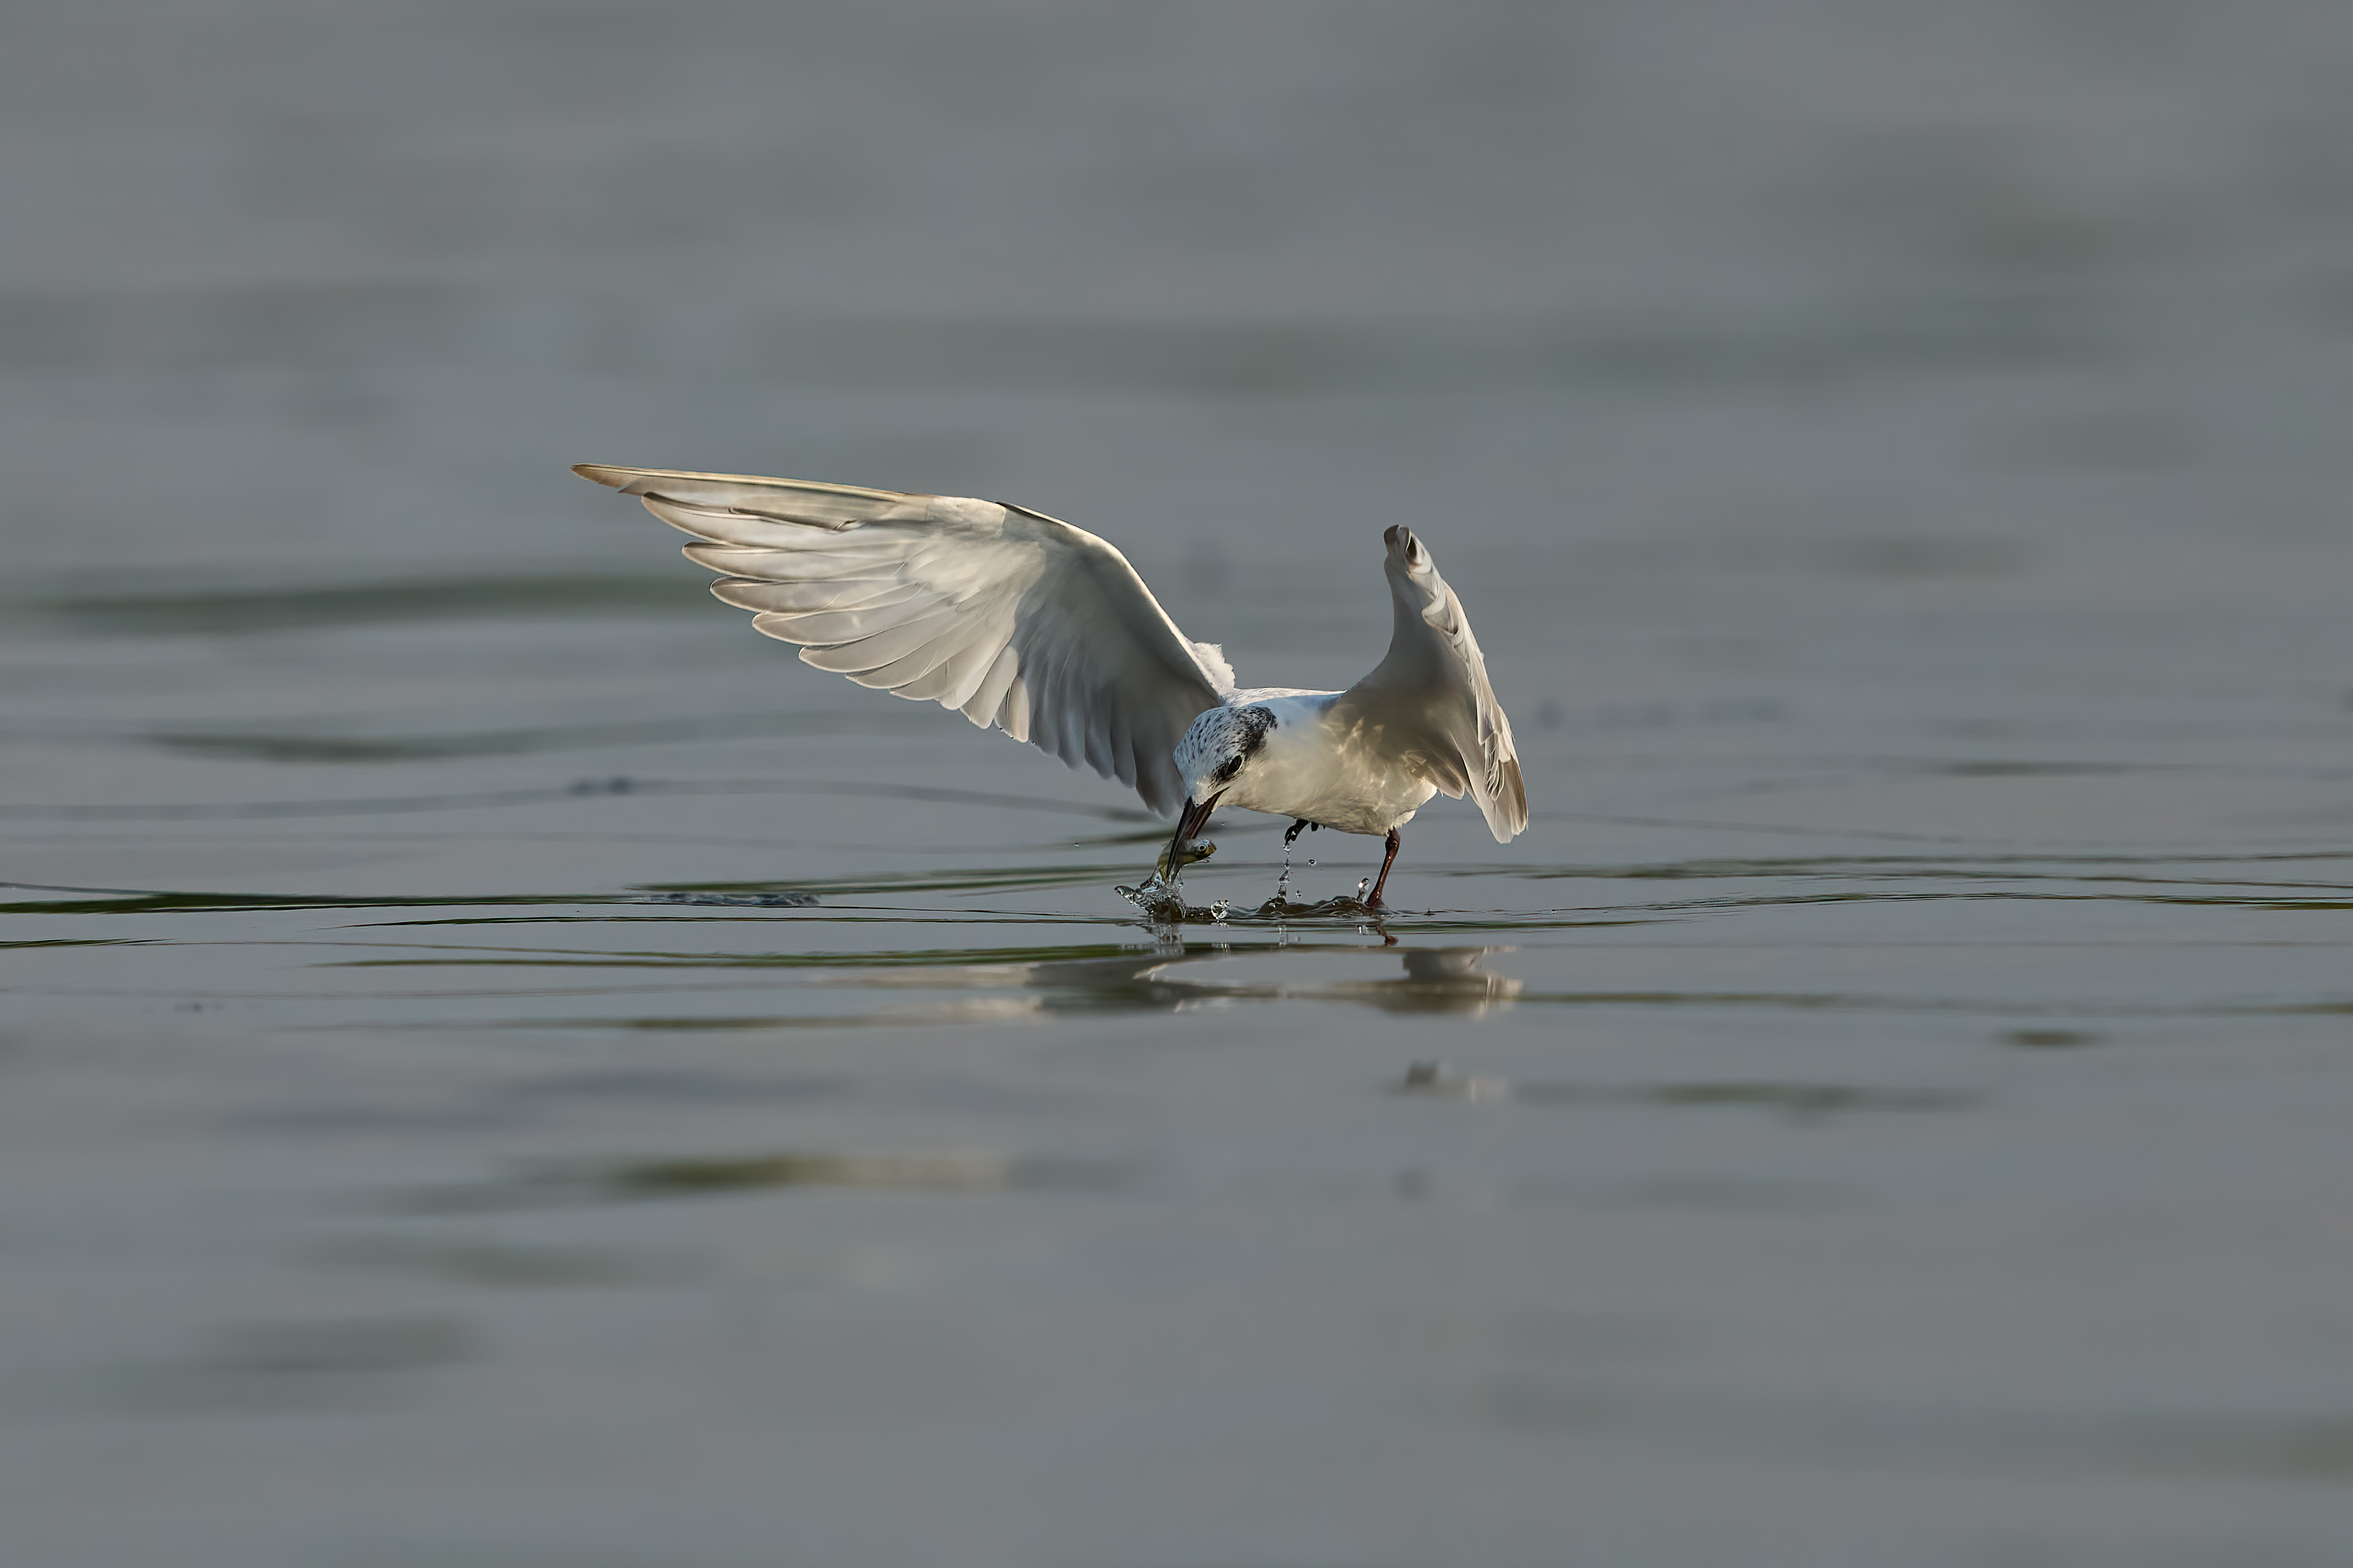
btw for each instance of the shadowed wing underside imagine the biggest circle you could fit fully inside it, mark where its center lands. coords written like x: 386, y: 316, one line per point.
x: 1015, y: 619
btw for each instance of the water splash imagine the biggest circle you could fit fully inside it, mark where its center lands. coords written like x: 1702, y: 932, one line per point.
x: 1281, y: 898
x: 1164, y: 901
x: 1279, y: 908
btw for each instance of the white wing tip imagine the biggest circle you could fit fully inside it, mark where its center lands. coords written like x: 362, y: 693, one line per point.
x: 1507, y: 817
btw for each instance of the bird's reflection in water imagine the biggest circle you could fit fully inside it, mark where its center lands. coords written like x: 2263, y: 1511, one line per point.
x: 1448, y: 980
x: 1436, y: 980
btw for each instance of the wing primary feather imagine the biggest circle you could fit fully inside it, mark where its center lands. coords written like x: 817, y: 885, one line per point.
x: 872, y: 650
x: 955, y: 669
x: 900, y: 624
x: 985, y: 706
x: 1014, y: 716
x: 914, y: 667
x: 807, y: 598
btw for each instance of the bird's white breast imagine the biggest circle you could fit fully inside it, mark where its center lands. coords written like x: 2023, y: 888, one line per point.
x: 1307, y: 768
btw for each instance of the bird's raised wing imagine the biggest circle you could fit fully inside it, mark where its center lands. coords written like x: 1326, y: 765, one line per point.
x: 1430, y: 700
x: 1017, y: 620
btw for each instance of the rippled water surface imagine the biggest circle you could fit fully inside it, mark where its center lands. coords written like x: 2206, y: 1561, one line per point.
x: 500, y: 1065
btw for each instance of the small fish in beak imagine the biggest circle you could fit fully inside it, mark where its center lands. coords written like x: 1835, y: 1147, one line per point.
x: 1183, y: 848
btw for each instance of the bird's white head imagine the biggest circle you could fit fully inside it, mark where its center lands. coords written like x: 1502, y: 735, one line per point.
x: 1215, y: 754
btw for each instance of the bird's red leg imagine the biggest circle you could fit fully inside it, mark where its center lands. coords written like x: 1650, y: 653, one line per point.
x: 1387, y: 861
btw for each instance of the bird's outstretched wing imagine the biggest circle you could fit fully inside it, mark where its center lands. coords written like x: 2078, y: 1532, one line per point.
x: 1430, y: 700
x: 1017, y: 620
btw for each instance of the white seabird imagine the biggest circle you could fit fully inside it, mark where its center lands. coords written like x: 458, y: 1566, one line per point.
x: 1046, y: 632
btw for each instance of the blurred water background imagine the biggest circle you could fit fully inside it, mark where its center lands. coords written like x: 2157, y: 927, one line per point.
x: 501, y: 1066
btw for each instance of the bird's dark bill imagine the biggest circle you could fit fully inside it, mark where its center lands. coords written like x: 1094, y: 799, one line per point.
x: 1194, y: 818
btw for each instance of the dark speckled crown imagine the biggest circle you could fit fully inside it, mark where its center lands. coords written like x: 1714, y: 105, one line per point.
x: 1232, y: 735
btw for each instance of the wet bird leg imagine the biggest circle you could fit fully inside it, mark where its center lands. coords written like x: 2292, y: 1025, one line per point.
x: 1387, y: 861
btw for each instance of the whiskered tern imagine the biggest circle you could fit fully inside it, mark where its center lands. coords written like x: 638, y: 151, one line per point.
x: 1044, y: 631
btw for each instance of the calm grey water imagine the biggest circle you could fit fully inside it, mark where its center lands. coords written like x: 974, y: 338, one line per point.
x: 501, y: 1066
